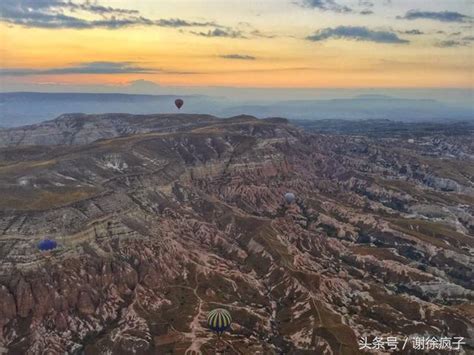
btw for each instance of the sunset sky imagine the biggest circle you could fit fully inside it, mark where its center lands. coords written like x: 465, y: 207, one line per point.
x: 238, y: 43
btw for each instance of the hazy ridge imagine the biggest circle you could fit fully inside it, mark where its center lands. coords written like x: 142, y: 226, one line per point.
x: 18, y: 109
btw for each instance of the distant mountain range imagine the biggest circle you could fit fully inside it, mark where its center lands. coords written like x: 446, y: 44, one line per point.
x: 17, y: 109
x: 22, y: 108
x: 386, y: 128
x: 361, y: 108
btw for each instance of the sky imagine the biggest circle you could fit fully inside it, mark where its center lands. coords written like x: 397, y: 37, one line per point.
x: 49, y: 45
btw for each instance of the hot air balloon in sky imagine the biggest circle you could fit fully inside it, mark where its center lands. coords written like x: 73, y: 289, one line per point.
x: 47, y: 244
x: 290, y: 197
x: 179, y: 103
x: 219, y: 320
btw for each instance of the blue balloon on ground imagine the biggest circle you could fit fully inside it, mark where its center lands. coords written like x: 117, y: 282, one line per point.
x: 47, y: 244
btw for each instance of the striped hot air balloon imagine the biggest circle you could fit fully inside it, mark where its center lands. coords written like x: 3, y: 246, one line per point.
x: 219, y: 320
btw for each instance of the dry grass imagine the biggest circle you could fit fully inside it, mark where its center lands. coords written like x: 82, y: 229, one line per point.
x: 379, y: 253
x: 425, y: 194
x: 431, y: 232
x: 466, y: 309
x: 23, y: 167
x: 452, y: 169
x: 45, y: 199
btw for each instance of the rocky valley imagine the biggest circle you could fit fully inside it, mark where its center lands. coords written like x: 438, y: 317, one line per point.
x: 161, y: 218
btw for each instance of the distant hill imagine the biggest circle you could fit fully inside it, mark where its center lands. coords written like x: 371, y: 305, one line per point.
x: 17, y: 109
x: 360, y: 108
x: 79, y: 128
x: 386, y: 128
x: 21, y: 108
